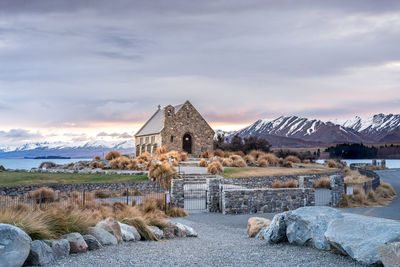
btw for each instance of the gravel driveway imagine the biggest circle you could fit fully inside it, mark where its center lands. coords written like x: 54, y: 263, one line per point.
x: 217, y: 245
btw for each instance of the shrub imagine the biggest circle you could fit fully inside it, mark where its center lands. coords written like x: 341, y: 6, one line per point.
x: 48, y: 164
x: 215, y: 168
x: 161, y: 150
x: 250, y: 159
x: 271, y: 158
x: 256, y: 154
x: 218, y: 153
x: 227, y: 162
x: 323, y: 182
x: 102, y: 194
x: 202, y: 163
x: 176, y: 212
x: 96, y: 164
x: 97, y: 158
x: 162, y: 173
x: 262, y: 163
x: 239, y: 162
x: 292, y: 159
x: 48, y: 194
x: 112, y: 155
x: 184, y: 156
x: 206, y: 154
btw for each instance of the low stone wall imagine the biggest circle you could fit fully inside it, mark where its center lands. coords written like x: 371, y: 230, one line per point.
x: 244, y: 201
x: 267, y: 181
x: 144, y: 187
x: 89, y: 171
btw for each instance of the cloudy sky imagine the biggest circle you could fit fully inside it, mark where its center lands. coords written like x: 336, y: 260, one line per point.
x: 80, y: 69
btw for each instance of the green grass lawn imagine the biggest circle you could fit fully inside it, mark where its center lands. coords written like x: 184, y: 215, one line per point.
x: 27, y: 178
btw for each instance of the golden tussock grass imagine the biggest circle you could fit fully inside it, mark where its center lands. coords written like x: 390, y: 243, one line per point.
x: 287, y: 184
x: 239, y: 162
x: 202, y: 163
x: 184, y: 156
x: 239, y: 153
x: 227, y: 162
x: 96, y: 165
x: 206, y: 154
x: 176, y: 212
x: 271, y: 158
x: 162, y: 173
x: 215, y: 168
x: 292, y: 159
x: 250, y: 159
x: 161, y: 150
x: 256, y: 154
x: 306, y: 161
x: 263, y: 163
x: 97, y: 158
x: 354, y: 177
x: 112, y: 155
x: 102, y: 194
x: 47, y: 195
x: 218, y: 153
x: 323, y: 182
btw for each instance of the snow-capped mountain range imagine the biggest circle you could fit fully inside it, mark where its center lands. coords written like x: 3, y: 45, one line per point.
x: 293, y: 131
x: 81, y: 149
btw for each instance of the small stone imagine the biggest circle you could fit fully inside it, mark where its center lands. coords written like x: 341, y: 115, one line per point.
x: 76, y: 242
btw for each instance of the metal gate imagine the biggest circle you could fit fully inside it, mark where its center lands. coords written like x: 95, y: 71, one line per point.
x: 195, y: 197
x: 323, y: 197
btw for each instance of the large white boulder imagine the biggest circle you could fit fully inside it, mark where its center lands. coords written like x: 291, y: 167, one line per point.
x: 360, y: 236
x: 105, y: 238
x: 275, y: 232
x: 40, y: 254
x: 111, y: 225
x: 307, y: 225
x: 157, y: 232
x: 129, y: 233
x: 390, y: 254
x: 255, y: 224
x: 15, y: 246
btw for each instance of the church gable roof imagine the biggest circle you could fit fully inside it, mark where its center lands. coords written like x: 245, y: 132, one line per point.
x: 156, y: 122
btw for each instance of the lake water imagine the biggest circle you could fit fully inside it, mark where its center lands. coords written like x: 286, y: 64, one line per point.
x: 390, y: 163
x: 27, y: 164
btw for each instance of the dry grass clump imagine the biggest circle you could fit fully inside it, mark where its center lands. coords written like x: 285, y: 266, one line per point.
x: 141, y: 227
x: 323, y: 182
x: 238, y: 162
x: 382, y: 196
x: 355, y: 177
x: 144, y: 158
x: 176, y: 212
x: 96, y: 165
x: 292, y: 159
x: 271, y: 158
x: 287, y: 184
x: 202, y: 163
x: 218, y: 152
x: 161, y: 150
x: 239, y: 153
x: 123, y: 163
x: 162, y: 173
x: 184, y: 156
x: 227, y: 162
x: 256, y: 154
x: 235, y: 157
x: 215, y: 168
x: 250, y: 159
x: 306, y: 161
x: 47, y: 195
x: 206, y: 154
x: 263, y: 163
x: 287, y: 164
x: 97, y: 158
x: 112, y: 155
x: 102, y: 194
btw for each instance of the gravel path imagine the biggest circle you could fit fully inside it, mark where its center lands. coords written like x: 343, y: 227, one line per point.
x: 217, y: 245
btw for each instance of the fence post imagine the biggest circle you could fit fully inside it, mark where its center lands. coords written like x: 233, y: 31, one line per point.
x: 165, y: 203
x: 40, y: 200
x: 127, y: 196
x: 84, y: 198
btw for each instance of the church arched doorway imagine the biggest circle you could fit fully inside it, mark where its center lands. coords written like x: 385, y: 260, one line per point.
x: 187, y: 143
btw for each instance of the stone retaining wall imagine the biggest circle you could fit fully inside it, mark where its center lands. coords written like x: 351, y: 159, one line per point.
x: 244, y: 201
x: 177, y: 193
x: 144, y: 187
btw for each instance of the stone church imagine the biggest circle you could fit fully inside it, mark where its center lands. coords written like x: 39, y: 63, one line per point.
x: 179, y: 128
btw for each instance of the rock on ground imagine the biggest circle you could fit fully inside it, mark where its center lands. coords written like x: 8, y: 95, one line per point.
x: 76, y: 242
x: 15, y: 246
x: 92, y: 242
x: 111, y: 225
x: 360, y: 236
x: 40, y: 254
x: 105, y: 238
x: 255, y: 224
x: 60, y: 248
x: 307, y: 225
x: 157, y: 232
x: 129, y: 233
x: 276, y: 231
x: 389, y: 254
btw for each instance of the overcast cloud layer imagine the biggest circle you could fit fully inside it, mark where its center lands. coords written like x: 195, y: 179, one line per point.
x: 87, y: 66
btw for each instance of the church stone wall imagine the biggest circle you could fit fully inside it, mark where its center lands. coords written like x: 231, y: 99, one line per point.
x: 186, y: 120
